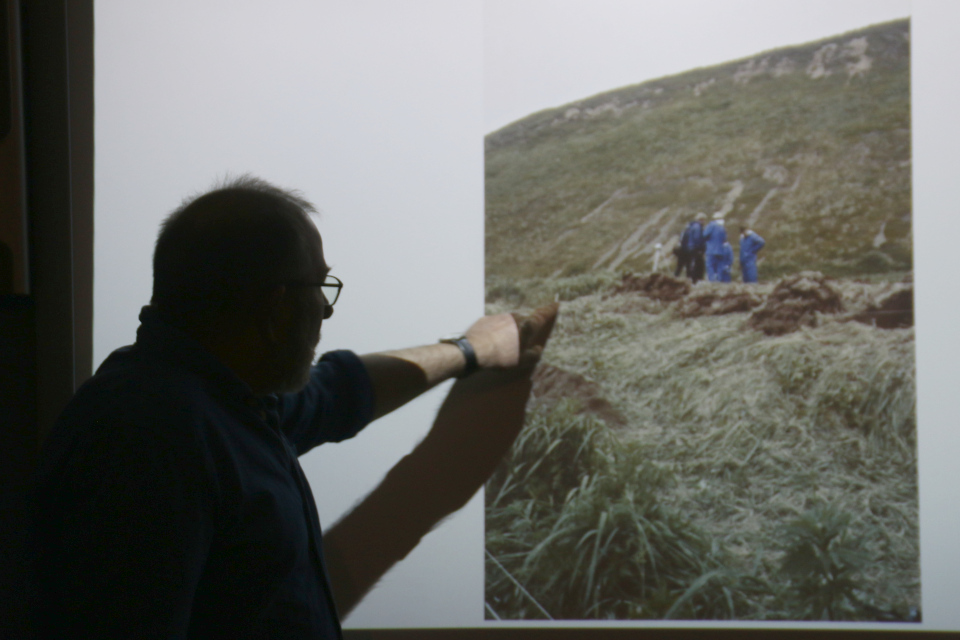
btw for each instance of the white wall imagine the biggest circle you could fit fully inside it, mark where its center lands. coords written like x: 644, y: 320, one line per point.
x: 375, y: 109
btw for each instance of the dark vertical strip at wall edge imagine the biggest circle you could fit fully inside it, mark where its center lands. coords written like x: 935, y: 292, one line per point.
x: 46, y: 219
x: 18, y: 436
x: 18, y: 380
x: 13, y: 222
x: 50, y: 228
x: 58, y: 179
x: 80, y: 39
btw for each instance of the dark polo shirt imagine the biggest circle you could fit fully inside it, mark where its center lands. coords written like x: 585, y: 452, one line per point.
x: 170, y: 502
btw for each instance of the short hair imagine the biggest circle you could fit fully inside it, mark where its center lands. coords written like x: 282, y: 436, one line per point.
x: 217, y: 250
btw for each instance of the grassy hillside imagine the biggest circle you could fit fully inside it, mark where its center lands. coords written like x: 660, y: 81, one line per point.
x: 810, y: 144
x: 677, y: 463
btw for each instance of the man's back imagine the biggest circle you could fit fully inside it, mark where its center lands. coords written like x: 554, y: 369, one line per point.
x: 170, y: 502
x: 714, y: 236
x: 692, y: 239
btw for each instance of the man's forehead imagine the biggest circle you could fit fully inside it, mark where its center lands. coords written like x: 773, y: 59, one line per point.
x: 316, y: 251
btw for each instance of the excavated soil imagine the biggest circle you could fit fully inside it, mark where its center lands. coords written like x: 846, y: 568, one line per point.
x: 795, y: 302
x: 552, y: 384
x: 658, y: 286
x: 893, y: 311
x: 728, y: 298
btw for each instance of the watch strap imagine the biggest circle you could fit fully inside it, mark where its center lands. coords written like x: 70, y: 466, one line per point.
x: 468, y: 354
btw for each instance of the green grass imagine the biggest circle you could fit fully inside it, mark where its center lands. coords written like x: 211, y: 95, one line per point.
x: 758, y: 477
x: 573, y: 515
x: 733, y: 440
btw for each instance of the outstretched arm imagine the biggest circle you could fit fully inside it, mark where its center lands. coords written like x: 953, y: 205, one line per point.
x: 477, y: 423
x: 401, y: 375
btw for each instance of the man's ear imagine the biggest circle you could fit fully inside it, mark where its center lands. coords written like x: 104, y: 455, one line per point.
x: 275, y: 318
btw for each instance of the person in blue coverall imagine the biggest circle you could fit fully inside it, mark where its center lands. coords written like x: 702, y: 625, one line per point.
x: 750, y: 245
x: 690, y: 250
x: 169, y: 500
x: 727, y: 264
x: 714, y: 236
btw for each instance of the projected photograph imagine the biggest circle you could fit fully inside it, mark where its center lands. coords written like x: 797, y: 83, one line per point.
x: 723, y: 426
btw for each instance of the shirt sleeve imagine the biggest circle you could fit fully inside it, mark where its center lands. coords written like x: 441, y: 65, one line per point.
x: 336, y: 404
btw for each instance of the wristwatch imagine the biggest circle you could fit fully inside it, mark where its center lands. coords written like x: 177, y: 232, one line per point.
x: 468, y: 353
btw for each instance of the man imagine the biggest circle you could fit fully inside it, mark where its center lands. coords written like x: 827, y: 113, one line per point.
x: 690, y: 250
x: 714, y: 236
x: 170, y: 502
x: 750, y: 245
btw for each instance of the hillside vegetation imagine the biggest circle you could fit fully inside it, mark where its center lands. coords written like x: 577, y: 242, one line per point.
x: 679, y: 463
x: 714, y: 451
x: 808, y: 144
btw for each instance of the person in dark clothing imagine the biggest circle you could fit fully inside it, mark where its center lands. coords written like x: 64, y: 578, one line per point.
x: 690, y: 250
x: 169, y: 500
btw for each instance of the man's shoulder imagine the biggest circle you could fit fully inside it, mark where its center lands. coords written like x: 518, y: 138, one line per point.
x: 134, y: 397
x: 130, y: 378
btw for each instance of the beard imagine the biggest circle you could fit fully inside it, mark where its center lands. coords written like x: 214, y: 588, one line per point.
x: 294, y: 359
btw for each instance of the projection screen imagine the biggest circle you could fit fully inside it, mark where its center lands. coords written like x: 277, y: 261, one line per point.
x: 377, y: 111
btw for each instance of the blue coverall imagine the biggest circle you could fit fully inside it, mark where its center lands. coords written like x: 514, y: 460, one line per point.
x: 727, y: 263
x: 714, y: 235
x: 692, y: 239
x: 750, y: 245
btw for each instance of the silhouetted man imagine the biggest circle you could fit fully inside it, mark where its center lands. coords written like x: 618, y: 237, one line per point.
x: 170, y: 502
x: 690, y: 250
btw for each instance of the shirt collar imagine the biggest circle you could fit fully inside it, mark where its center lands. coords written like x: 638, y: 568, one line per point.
x: 175, y: 346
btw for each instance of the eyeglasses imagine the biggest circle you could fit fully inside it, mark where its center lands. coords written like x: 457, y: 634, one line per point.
x: 330, y: 287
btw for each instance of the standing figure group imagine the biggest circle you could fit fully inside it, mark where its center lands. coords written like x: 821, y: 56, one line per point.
x: 706, y: 249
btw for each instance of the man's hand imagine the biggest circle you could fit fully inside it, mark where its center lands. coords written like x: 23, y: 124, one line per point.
x: 509, y: 339
x: 534, y: 331
x: 496, y: 341
x: 504, y: 342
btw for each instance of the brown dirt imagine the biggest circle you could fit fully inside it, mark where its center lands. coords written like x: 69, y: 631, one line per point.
x: 893, y: 311
x: 552, y: 384
x: 795, y: 302
x: 658, y: 286
x: 720, y: 300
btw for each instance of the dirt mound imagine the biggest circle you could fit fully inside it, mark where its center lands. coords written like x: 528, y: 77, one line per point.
x: 893, y: 311
x: 794, y: 303
x: 718, y: 301
x: 552, y: 384
x: 658, y: 286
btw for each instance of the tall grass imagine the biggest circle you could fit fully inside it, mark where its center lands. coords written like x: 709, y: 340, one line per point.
x: 731, y: 438
x: 577, y: 530
x: 825, y: 563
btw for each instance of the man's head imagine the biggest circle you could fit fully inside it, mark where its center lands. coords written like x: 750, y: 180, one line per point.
x: 240, y: 260
x: 701, y: 218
